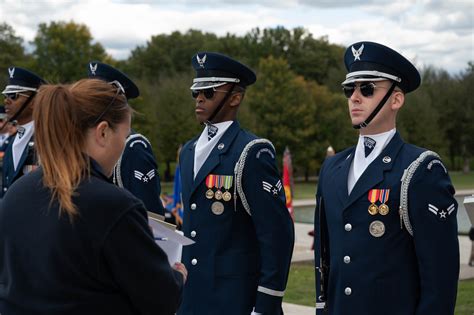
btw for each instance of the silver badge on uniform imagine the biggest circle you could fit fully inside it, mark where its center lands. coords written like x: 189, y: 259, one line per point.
x: 201, y: 61
x: 217, y: 208
x: 377, y: 228
x: 357, y: 52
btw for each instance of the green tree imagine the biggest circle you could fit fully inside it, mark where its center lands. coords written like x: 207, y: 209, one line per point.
x: 63, y: 49
x: 165, y: 55
x: 418, y: 120
x: 313, y: 58
x: 12, y: 52
x: 281, y: 107
x: 166, y: 116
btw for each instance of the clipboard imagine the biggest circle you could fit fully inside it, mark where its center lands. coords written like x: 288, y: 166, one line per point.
x: 168, y: 238
x: 469, y: 205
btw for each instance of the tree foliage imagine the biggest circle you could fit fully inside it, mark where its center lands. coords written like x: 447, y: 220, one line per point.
x: 12, y: 52
x: 296, y: 101
x: 63, y: 49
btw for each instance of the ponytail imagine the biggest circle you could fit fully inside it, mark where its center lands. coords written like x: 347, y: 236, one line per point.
x: 63, y: 115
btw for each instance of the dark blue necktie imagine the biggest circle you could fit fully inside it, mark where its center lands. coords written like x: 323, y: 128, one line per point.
x: 369, y: 145
x: 21, y: 132
x: 211, y: 131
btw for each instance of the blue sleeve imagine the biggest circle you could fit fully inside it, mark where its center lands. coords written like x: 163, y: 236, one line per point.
x: 265, y: 194
x: 139, y: 173
x: 432, y: 209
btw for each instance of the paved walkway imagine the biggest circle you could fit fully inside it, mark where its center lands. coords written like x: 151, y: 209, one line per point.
x: 302, y: 252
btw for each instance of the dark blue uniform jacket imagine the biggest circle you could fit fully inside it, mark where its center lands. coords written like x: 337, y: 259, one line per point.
x: 105, y: 262
x: 239, y: 261
x: 395, y: 273
x: 27, y: 162
x: 137, y: 171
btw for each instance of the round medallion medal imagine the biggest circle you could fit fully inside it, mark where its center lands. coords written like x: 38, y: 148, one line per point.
x: 383, y: 209
x: 227, y: 196
x: 217, y: 208
x: 373, y: 209
x: 218, y: 195
x: 377, y: 228
x: 209, y: 194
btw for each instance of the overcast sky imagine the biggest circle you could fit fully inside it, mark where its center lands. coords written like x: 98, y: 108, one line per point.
x: 428, y: 32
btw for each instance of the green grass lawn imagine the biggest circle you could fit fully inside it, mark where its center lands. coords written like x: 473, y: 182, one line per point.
x: 462, y: 181
x: 301, y: 290
x: 307, y: 190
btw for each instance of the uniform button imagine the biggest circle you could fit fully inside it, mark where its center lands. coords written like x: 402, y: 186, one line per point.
x: 193, y: 206
x: 193, y: 233
x: 5, y: 188
x: 348, y: 227
x: 347, y: 259
x: 194, y: 262
x: 347, y: 291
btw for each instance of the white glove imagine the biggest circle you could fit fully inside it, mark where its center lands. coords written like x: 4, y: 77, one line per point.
x: 255, y: 313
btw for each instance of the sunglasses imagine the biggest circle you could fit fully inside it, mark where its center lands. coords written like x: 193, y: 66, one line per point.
x: 366, y: 89
x: 208, y: 93
x: 120, y: 90
x: 14, y: 96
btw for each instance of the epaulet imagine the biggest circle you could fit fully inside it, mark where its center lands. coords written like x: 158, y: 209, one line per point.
x: 130, y: 141
x: 406, y: 179
x: 239, y: 170
x: 137, y: 138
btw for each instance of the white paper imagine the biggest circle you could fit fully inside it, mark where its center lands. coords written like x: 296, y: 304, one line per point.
x: 170, y: 241
x: 469, y: 205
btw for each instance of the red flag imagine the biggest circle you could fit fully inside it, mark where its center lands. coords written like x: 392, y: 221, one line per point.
x: 288, y: 181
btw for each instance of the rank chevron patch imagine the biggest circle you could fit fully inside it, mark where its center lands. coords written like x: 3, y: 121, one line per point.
x: 144, y: 177
x: 441, y: 214
x: 272, y: 189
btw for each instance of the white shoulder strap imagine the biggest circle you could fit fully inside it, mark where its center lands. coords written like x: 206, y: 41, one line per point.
x: 239, y: 170
x: 406, y: 179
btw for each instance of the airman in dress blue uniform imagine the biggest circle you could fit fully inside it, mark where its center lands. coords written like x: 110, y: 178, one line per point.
x: 136, y: 169
x: 20, y: 157
x: 234, y: 203
x: 385, y: 221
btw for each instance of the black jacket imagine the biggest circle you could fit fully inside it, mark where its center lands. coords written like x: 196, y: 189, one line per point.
x: 105, y: 262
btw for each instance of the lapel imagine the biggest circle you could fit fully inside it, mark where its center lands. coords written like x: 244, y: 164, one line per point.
x: 8, y: 162
x: 215, y: 156
x: 186, y: 163
x: 23, y: 157
x: 374, y: 174
x: 340, y: 176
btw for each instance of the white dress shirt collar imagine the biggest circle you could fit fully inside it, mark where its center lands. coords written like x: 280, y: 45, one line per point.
x: 360, y: 162
x: 204, y: 146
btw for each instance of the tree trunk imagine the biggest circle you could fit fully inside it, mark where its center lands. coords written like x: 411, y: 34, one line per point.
x: 466, y: 167
x: 167, y: 175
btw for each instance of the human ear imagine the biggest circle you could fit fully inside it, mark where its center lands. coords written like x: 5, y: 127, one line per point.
x: 101, y: 132
x: 398, y: 99
x: 235, y: 99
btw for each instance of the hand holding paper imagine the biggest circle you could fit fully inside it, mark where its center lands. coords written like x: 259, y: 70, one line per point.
x: 170, y: 240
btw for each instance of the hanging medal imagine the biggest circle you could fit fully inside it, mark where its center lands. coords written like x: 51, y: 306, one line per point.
x: 383, y: 197
x: 227, y: 196
x: 373, y: 197
x: 210, y: 184
x: 218, y: 184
